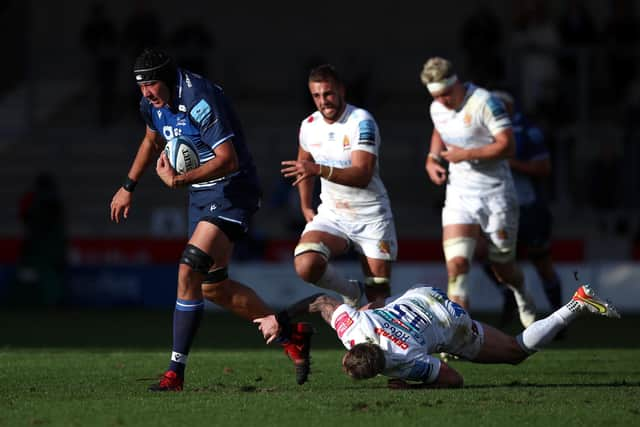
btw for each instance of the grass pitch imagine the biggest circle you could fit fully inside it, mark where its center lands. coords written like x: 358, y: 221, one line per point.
x: 92, y: 368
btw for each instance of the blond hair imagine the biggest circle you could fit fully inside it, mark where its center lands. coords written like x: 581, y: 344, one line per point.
x: 435, y: 70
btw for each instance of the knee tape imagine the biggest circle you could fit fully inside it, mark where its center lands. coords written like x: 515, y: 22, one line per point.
x: 377, y: 286
x: 501, y: 255
x: 318, y: 247
x: 459, y: 247
x: 458, y: 286
x: 375, y: 282
x: 216, y: 276
x: 196, y: 258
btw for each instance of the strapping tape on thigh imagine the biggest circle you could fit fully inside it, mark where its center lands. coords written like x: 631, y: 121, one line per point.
x: 459, y: 247
x: 317, y: 247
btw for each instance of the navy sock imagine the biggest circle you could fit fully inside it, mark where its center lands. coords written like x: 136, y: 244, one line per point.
x: 553, y: 290
x: 186, y: 320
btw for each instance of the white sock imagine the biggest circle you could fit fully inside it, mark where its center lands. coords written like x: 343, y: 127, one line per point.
x: 543, y: 331
x: 334, y: 281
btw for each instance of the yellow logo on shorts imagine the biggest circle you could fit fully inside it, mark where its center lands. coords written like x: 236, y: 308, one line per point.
x: 384, y: 247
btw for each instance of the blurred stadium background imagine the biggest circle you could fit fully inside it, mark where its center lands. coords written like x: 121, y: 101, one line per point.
x: 69, y: 121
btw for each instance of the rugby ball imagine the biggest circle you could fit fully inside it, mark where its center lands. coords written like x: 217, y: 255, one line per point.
x: 182, y: 154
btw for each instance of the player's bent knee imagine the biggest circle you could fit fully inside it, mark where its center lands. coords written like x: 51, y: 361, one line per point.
x: 310, y: 266
x: 515, y: 353
x: 458, y: 253
x: 457, y: 266
x: 196, y: 258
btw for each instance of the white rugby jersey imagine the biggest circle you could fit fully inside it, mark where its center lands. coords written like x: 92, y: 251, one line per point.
x: 332, y: 145
x: 407, y: 329
x: 474, y: 125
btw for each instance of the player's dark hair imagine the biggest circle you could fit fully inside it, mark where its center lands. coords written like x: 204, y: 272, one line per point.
x: 155, y: 65
x: 364, y: 361
x: 324, y: 73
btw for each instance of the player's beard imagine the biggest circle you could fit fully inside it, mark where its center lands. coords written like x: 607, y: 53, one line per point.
x: 337, y: 111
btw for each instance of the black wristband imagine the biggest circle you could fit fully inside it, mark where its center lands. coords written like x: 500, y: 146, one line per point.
x: 283, y: 318
x: 285, y: 324
x: 129, y: 185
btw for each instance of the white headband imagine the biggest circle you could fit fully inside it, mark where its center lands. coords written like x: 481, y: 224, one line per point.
x: 437, y: 87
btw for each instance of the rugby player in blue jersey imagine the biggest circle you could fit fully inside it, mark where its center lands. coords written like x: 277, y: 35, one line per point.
x: 530, y: 167
x: 224, y: 193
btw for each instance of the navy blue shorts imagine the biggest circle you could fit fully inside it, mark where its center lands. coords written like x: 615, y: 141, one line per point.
x: 535, y: 226
x: 231, y: 214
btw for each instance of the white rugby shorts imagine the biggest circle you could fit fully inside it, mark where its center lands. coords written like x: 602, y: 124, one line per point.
x: 497, y: 214
x: 375, y: 240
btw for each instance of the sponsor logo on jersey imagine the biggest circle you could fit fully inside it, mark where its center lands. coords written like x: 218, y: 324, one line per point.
x: 367, y: 130
x: 331, y: 136
x: 467, y: 119
x: 201, y: 111
x: 384, y: 247
x: 181, y: 122
x: 182, y: 108
x: 346, y: 144
x: 343, y: 322
x: 496, y: 107
x: 310, y: 119
x: 399, y: 340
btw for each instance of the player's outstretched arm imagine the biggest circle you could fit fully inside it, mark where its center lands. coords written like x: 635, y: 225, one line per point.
x: 270, y: 326
x: 150, y: 146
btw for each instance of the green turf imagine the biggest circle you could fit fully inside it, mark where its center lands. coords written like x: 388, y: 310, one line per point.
x: 92, y: 368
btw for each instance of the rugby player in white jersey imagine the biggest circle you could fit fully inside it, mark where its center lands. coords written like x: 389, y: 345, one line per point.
x: 340, y: 143
x: 396, y: 337
x: 472, y: 132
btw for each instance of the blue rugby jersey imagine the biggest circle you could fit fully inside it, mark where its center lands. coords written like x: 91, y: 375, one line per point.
x: 204, y: 114
x: 530, y: 145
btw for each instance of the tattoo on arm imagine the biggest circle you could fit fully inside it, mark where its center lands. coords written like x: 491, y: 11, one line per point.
x: 321, y: 303
x: 325, y: 305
